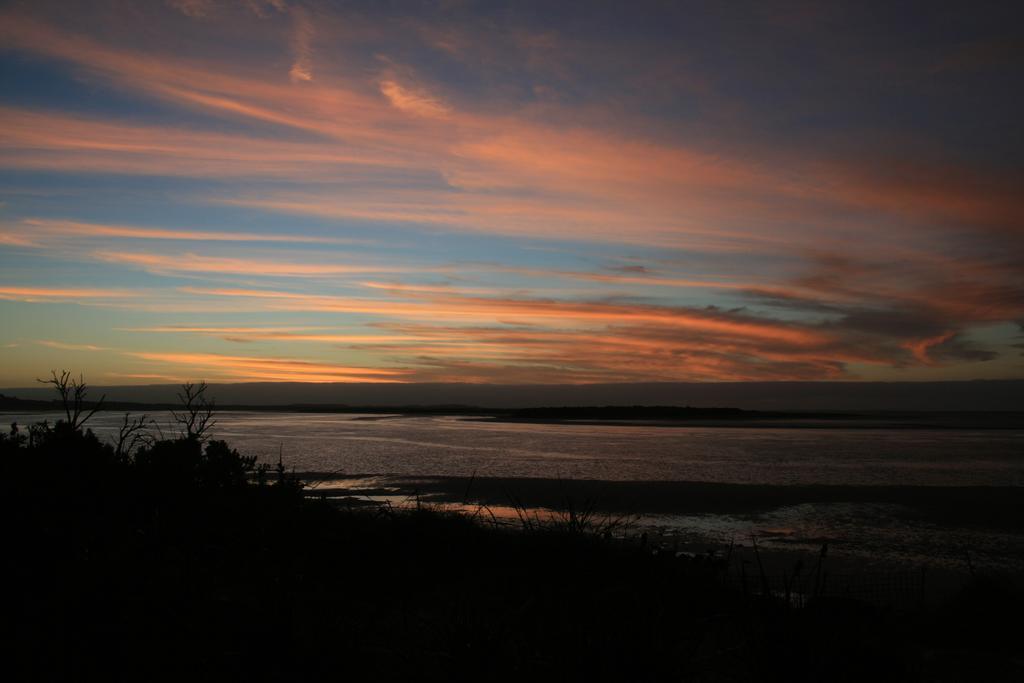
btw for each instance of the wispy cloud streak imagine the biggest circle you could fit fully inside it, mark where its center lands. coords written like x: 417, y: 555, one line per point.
x: 253, y: 368
x: 41, y: 232
x: 302, y: 46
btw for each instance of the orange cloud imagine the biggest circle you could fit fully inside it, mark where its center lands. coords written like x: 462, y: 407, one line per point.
x: 249, y: 368
x: 578, y: 341
x: 42, y: 140
x: 920, y: 347
x: 411, y: 101
x: 287, y: 334
x: 196, y: 263
x: 64, y: 346
x: 61, y: 294
x: 544, y: 312
x: 48, y: 227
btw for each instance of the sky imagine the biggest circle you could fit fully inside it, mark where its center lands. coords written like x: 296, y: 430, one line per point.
x: 511, y: 193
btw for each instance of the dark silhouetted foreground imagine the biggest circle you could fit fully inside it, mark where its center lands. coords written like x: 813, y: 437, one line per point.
x: 180, y: 559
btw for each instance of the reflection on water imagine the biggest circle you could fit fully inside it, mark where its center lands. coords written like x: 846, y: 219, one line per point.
x: 449, y: 446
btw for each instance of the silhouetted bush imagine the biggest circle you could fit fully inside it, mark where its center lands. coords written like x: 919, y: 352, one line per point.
x: 191, y: 463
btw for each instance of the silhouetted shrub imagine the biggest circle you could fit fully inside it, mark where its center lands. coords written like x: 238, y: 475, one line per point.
x: 191, y: 463
x: 12, y: 440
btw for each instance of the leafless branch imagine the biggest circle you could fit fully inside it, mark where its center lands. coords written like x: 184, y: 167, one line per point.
x: 72, y: 397
x: 132, y: 434
x: 196, y: 415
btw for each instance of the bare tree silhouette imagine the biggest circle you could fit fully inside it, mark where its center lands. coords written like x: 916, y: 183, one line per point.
x: 72, y: 396
x: 196, y: 415
x: 132, y: 434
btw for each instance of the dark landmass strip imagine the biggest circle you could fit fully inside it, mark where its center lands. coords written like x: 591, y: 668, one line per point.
x: 14, y: 404
x: 636, y: 412
x: 611, y: 414
x: 686, y: 416
x: 813, y: 396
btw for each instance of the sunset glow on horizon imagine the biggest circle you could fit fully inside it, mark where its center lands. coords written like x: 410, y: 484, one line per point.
x: 275, y: 190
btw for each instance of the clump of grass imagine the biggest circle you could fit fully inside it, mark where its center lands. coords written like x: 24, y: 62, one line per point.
x: 571, y: 519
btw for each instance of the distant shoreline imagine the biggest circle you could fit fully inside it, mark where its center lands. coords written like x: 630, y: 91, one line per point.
x: 1008, y: 421
x: 627, y: 415
x: 802, y: 396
